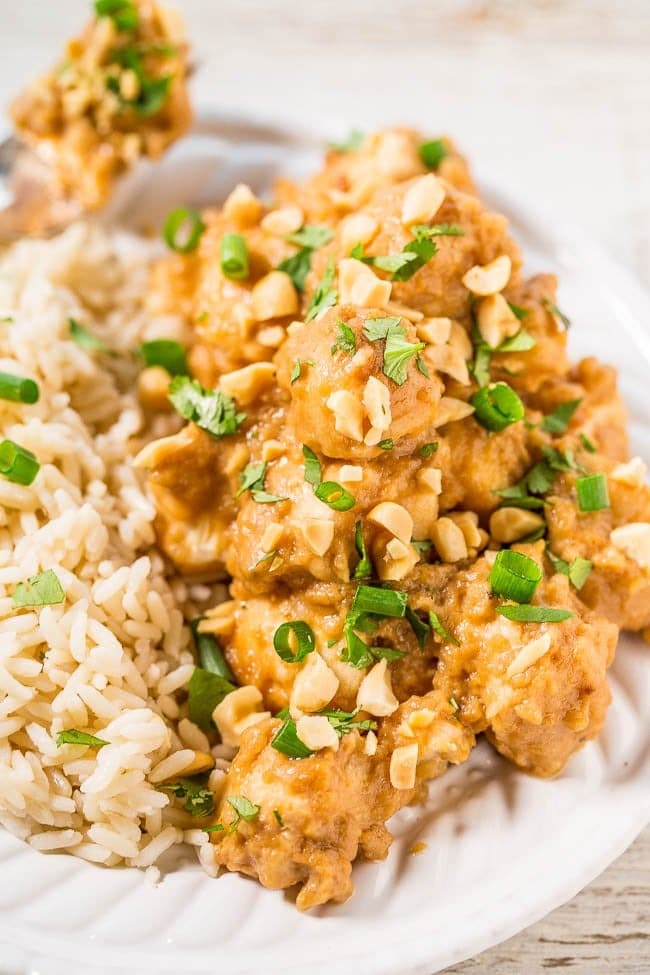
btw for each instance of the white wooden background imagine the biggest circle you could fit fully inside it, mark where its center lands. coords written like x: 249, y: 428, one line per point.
x: 552, y: 97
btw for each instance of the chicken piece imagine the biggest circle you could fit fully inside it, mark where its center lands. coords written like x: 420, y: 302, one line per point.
x: 248, y: 642
x: 317, y: 813
x: 619, y: 585
x: 538, y: 690
x: 527, y: 371
x: 331, y: 805
x: 601, y: 416
x: 119, y: 94
x: 342, y: 395
x: 436, y: 289
x: 349, y: 178
x: 194, y: 479
x: 475, y: 463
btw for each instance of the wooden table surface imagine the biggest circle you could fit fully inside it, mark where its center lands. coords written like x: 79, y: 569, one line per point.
x: 552, y: 97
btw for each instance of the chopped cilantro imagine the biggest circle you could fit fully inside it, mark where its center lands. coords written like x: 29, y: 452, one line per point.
x: 43, y: 589
x: 558, y: 420
x: 199, y: 800
x: 346, y: 340
x: 211, y: 410
x: 325, y: 295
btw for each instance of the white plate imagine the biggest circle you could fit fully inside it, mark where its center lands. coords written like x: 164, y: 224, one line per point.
x: 502, y: 849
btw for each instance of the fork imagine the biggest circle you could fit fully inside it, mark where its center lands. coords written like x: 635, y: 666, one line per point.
x: 29, y: 205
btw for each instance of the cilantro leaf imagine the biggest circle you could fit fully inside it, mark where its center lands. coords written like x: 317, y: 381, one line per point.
x: 397, y: 355
x: 43, y: 589
x: 297, y: 267
x: 364, y: 567
x: 252, y: 477
x: 311, y: 236
x: 205, y: 690
x: 346, y: 340
x: 199, y: 800
x: 211, y: 410
x: 325, y: 296
x: 558, y: 420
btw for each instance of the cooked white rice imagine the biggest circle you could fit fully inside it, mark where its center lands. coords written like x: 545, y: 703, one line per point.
x: 113, y: 657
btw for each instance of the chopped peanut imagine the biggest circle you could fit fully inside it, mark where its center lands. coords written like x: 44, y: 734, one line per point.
x: 422, y: 200
x: 449, y: 540
x: 633, y: 540
x: 238, y: 711
x: 243, y: 206
x: 403, y: 766
x: 319, y: 534
x: 510, y: 524
x: 316, y: 732
x: 488, y: 279
x: 314, y: 687
x: 284, y: 221
x: 274, y: 296
x: 376, y: 694
x: 376, y: 399
x: 496, y: 322
x: 358, y: 285
x: 246, y: 384
x: 348, y: 414
x: 394, y: 518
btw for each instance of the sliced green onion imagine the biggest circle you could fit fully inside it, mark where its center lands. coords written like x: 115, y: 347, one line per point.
x: 17, y: 463
x: 519, y: 312
x: 438, y: 628
x: 303, y: 639
x: 264, y: 497
x: 234, y: 257
x: 183, y: 230
x: 286, y: 740
x: 166, y: 353
x: 534, y: 614
x: 588, y: 444
x: 204, y: 691
x: 334, y: 495
x: 386, y: 444
x: 74, y: 737
x: 313, y: 469
x: 364, y: 566
x: 592, y: 492
x: 432, y: 153
x: 211, y: 656
x: 43, y: 589
x: 514, y: 576
x: 497, y: 406
x: 18, y: 389
x: 85, y: 339
x: 381, y: 602
x: 523, y: 341
x: 579, y: 572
